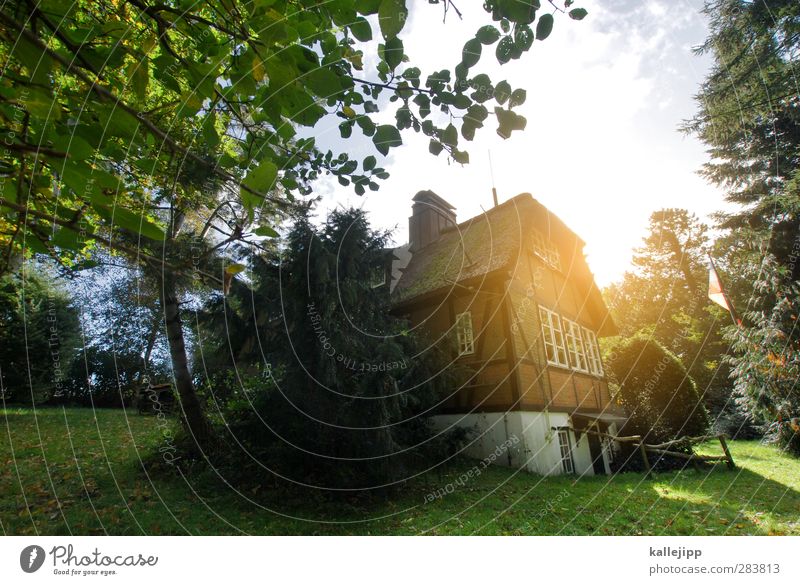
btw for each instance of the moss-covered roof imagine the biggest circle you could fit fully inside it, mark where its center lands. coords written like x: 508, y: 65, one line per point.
x: 481, y: 245
x: 490, y: 243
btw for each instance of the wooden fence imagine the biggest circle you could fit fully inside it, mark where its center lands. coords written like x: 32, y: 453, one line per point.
x: 663, y: 449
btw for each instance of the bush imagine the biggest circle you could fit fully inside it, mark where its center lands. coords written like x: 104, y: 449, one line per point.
x: 346, y: 408
x: 102, y: 378
x: 39, y: 334
x: 660, y: 398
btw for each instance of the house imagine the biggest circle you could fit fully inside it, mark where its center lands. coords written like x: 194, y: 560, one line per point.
x: 512, y: 288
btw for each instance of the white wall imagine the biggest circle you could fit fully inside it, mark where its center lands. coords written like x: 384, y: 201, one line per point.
x: 521, y: 440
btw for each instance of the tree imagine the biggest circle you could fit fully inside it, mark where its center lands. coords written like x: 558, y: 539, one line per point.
x: 121, y: 312
x: 666, y: 289
x: 349, y: 396
x: 749, y: 116
x: 766, y: 362
x: 656, y: 391
x: 39, y: 336
x: 664, y: 298
x: 123, y: 119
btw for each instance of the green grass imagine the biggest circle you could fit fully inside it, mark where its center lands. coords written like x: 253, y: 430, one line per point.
x: 77, y: 472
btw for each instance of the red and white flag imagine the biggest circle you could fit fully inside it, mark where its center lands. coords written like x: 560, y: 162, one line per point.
x: 715, y: 292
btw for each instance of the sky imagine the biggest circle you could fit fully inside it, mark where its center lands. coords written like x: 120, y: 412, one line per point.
x: 602, y: 148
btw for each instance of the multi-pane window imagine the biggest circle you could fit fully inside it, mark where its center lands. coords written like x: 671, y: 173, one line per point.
x: 466, y: 340
x: 566, y: 451
x: 553, y: 338
x: 377, y: 277
x: 608, y: 445
x: 593, y: 352
x: 575, y: 348
x: 546, y: 250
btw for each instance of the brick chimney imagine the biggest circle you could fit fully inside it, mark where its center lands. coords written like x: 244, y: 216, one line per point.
x: 430, y: 215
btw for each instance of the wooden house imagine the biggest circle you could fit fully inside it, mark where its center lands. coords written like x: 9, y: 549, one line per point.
x: 512, y: 291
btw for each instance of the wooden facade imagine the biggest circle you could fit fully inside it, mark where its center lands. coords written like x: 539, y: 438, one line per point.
x: 502, y: 269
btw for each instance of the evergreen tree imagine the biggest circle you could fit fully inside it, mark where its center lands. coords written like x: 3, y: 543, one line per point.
x: 749, y: 116
x: 350, y: 390
x: 39, y: 336
x: 766, y: 362
x: 664, y: 298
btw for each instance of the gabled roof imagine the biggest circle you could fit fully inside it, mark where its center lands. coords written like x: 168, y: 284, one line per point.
x: 486, y: 245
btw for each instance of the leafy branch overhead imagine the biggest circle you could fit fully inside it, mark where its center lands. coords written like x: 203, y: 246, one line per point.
x: 106, y: 104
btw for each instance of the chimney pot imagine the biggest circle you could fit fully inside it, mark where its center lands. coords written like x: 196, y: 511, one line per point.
x: 430, y: 215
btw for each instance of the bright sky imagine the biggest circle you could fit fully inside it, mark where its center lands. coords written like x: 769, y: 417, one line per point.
x: 602, y: 150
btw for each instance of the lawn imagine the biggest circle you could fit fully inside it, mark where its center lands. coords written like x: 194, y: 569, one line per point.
x: 75, y: 471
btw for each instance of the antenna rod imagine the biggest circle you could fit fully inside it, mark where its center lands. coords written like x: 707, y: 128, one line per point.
x: 491, y: 173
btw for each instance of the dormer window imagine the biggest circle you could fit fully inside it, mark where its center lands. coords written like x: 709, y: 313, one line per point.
x: 464, y: 336
x: 377, y: 277
x: 546, y: 250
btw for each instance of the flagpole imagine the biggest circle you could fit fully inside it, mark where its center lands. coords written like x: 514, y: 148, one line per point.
x: 731, y: 308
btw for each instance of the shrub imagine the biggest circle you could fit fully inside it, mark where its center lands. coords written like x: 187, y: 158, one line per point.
x: 660, y: 398
x: 346, y: 406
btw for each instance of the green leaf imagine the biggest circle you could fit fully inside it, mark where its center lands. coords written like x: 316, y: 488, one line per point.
x: 346, y: 129
x: 39, y: 104
x: 139, y: 78
x: 361, y: 29
x: 69, y: 239
x: 392, y: 16
x: 450, y: 135
x: 509, y: 121
x: 75, y: 146
x: 578, y: 13
x: 393, y: 52
x: 468, y: 130
x: 518, y: 97
x: 505, y: 50
x: 502, y: 92
x: 131, y: 221
x: 259, y: 179
x: 366, y: 124
x: 488, y: 35
x: 369, y: 163
x: 471, y: 53
x: 386, y: 136
x: 520, y: 11
x: 266, y: 231
x: 477, y: 114
x: 461, y: 156
x: 484, y: 90
x: 37, y: 61
x: 544, y: 27
x: 323, y: 82
x: 523, y: 37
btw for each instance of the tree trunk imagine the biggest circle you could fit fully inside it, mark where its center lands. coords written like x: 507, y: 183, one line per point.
x: 193, y: 417
x: 151, y: 340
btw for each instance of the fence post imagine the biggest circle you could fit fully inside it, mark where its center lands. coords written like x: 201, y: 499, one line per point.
x: 643, y: 451
x: 731, y: 464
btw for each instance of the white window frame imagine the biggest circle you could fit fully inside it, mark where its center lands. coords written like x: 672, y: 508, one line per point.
x: 464, y: 333
x: 553, y: 337
x: 592, y: 352
x: 575, y: 347
x: 608, y: 445
x: 565, y: 450
x: 546, y: 250
x: 378, y: 277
